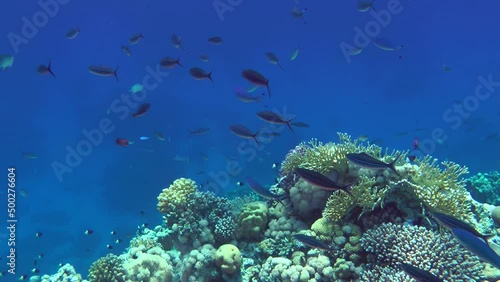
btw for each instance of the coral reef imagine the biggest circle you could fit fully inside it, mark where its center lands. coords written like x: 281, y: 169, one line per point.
x: 384, y: 222
x: 203, y: 218
x: 176, y: 196
x: 65, y: 273
x: 308, y: 201
x: 252, y: 221
x: 485, y: 187
x: 437, y: 186
x: 106, y: 269
x: 283, y: 269
x: 199, y: 265
x: 440, y: 254
x: 149, y: 265
x: 228, y: 258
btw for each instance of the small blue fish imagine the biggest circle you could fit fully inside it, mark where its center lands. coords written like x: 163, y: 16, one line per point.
x: 263, y: 192
x: 143, y: 138
x: 419, y: 274
x: 312, y: 242
x: 477, y: 246
x: 367, y: 161
x: 451, y: 222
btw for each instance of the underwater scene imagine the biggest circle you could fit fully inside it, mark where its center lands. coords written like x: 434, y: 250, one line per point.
x: 237, y: 140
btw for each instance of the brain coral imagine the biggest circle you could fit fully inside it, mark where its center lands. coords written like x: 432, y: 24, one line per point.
x: 252, y: 221
x: 176, y: 196
x: 440, y: 254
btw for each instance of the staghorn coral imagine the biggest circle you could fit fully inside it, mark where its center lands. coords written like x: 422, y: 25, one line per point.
x: 176, y: 196
x: 440, y: 254
x: 107, y: 269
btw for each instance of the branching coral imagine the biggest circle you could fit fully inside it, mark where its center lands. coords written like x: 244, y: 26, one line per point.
x: 328, y: 157
x: 196, y: 221
x: 365, y: 194
x: 107, y: 269
x: 439, y: 187
x: 439, y: 254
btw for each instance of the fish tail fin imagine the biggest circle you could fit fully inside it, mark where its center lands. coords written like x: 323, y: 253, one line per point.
x: 487, y: 237
x: 209, y: 76
x: 255, y: 139
x: 281, y: 198
x: 347, y: 188
x: 392, y: 165
x: 281, y: 67
x: 49, y: 68
x: 268, y: 90
x: 115, y: 73
x: 178, y: 62
x: 289, y: 125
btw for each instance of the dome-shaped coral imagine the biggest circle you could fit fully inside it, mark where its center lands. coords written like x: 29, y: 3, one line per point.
x: 107, y: 269
x: 176, y: 196
x: 228, y: 258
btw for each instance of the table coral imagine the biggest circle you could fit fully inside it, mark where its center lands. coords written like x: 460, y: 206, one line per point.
x: 440, y: 254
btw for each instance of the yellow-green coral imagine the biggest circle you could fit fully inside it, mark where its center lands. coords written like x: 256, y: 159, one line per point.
x: 440, y: 189
x: 365, y: 194
x: 107, y: 269
x: 325, y: 158
x: 252, y: 220
x: 176, y: 196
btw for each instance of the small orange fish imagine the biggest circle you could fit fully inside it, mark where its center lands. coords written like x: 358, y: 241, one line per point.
x: 121, y: 142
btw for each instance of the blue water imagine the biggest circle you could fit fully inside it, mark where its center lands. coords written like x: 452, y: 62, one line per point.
x: 377, y: 94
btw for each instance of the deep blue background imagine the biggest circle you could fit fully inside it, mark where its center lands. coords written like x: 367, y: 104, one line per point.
x: 377, y: 94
